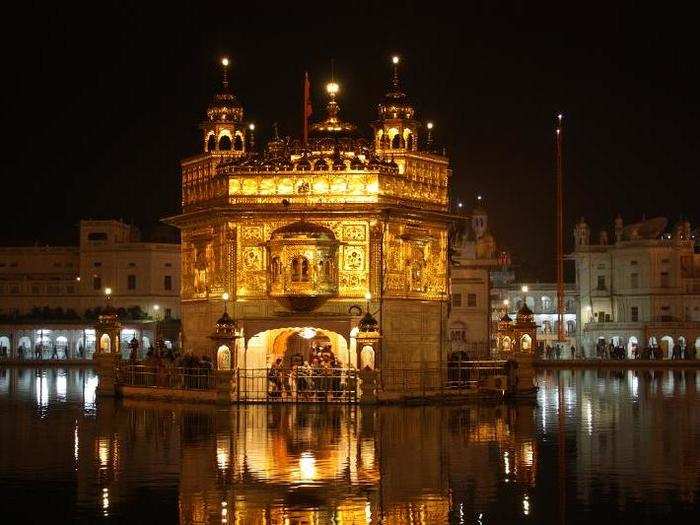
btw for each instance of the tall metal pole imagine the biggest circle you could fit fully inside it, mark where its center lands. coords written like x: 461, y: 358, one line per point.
x: 560, y: 231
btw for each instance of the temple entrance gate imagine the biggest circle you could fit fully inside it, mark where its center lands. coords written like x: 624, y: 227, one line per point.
x: 298, y: 364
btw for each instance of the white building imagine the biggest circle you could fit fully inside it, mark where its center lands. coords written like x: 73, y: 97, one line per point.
x: 541, y: 299
x: 641, y: 289
x: 50, y: 295
x: 473, y: 257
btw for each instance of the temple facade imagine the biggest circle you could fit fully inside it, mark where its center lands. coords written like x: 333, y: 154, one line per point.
x: 305, y: 238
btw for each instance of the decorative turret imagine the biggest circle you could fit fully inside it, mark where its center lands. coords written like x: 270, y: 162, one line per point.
x: 582, y: 233
x: 619, y: 227
x: 396, y: 129
x: 222, y: 133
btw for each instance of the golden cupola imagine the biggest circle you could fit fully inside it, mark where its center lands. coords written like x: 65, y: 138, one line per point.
x: 303, y: 265
x: 222, y: 127
x: 332, y: 125
x: 396, y: 128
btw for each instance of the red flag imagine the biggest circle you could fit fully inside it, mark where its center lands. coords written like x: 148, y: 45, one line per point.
x: 307, y: 106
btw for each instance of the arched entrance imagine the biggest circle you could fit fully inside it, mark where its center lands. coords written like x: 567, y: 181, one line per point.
x: 632, y: 344
x: 297, y: 363
x: 24, y: 347
x: 62, y: 346
x: 292, y: 344
x: 525, y: 343
x: 223, y: 358
x: 666, y: 345
x: 4, y: 346
x: 105, y: 343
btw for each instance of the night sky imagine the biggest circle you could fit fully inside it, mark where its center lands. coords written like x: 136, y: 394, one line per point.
x: 99, y: 105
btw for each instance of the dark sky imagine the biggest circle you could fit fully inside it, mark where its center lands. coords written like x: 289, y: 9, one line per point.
x: 100, y: 103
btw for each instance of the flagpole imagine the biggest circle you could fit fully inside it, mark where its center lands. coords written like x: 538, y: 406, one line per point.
x: 305, y: 111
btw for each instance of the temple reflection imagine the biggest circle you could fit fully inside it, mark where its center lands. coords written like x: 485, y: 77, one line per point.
x: 306, y: 464
x: 609, y: 435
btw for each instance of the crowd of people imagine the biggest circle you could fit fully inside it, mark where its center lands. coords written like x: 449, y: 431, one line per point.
x: 319, y: 378
x: 42, y: 351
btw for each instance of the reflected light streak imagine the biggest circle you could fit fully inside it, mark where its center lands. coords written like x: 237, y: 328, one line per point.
x: 526, y: 505
x: 506, y: 463
x: 61, y: 385
x: 103, y: 452
x: 42, y: 393
x: 90, y: 391
x: 588, y: 409
x: 307, y: 466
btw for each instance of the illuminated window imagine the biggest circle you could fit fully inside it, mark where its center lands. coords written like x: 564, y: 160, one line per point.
x: 665, y: 280
x: 300, y: 269
x: 409, y: 141
x: 396, y: 142
x: 238, y: 143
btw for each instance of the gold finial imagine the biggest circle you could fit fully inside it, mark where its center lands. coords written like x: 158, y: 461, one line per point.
x: 332, y: 88
x: 224, y: 63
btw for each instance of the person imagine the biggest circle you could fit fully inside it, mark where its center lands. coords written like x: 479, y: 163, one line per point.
x: 81, y: 350
x: 558, y: 350
x: 273, y: 377
x: 54, y: 351
x: 573, y: 352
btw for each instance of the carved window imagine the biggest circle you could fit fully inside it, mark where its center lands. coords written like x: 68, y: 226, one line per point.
x: 275, y: 268
x: 396, y: 142
x: 238, y: 143
x: 300, y: 269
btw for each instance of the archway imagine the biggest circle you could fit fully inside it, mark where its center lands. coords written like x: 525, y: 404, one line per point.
x: 105, y: 343
x: 62, y: 345
x: 264, y: 348
x: 507, y: 344
x: 525, y: 343
x: 632, y: 344
x: 223, y: 358
x: 367, y: 357
x: 4, y: 346
x: 225, y: 143
x: 24, y: 347
x: 666, y: 345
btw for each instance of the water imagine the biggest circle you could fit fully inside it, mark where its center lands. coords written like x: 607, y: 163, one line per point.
x: 629, y: 453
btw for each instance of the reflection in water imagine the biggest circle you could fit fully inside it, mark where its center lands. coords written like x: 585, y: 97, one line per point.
x: 629, y: 452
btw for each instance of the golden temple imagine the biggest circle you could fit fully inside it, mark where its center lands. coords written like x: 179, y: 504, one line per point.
x: 307, y: 237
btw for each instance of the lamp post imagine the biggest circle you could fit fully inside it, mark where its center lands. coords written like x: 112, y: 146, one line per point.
x: 225, y: 297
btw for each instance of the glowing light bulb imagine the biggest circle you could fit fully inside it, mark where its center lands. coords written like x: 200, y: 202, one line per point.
x: 332, y: 88
x: 506, y: 302
x: 308, y: 333
x: 459, y: 204
x: 524, y: 288
x: 156, y: 307
x: 478, y: 197
x: 224, y: 61
x: 430, y: 125
x: 368, y: 295
x: 251, y: 127
x: 560, y: 116
x: 225, y: 296
x: 108, y: 291
x: 395, y: 59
